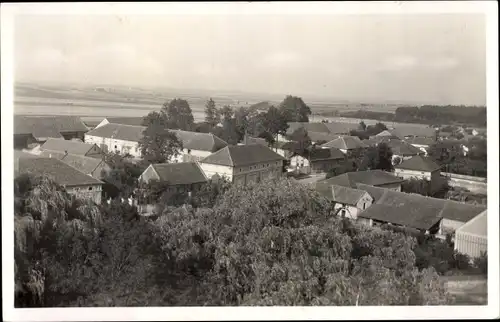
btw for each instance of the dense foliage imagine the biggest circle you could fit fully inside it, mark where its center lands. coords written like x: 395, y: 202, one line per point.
x: 428, y: 114
x: 450, y: 155
x: 275, y: 243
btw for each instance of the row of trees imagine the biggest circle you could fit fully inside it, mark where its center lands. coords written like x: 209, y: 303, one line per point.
x: 274, y: 243
x: 427, y: 114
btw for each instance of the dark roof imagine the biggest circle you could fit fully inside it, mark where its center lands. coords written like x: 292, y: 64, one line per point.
x: 200, y: 141
x: 402, y: 148
x: 345, y: 143
x: 345, y: 195
x: 85, y: 164
x: 412, y: 204
x: 288, y: 146
x: 418, y: 163
x: 326, y: 154
x: 119, y: 131
x: 400, y: 216
x: 370, y: 177
x: 320, y: 136
x: 72, y: 147
x: 45, y: 126
x: 403, y: 130
x: 180, y: 173
x: 242, y: 155
x: 309, y: 127
x: 62, y: 173
x: 137, y: 121
x: 421, y: 141
x: 52, y: 154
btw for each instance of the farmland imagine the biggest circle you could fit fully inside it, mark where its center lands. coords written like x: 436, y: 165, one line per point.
x: 92, y: 102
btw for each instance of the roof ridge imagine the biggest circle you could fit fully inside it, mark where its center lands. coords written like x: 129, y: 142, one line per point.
x: 201, y: 170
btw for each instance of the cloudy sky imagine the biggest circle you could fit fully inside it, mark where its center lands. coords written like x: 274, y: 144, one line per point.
x: 429, y: 58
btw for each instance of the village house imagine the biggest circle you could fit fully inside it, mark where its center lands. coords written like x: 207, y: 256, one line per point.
x: 243, y: 164
x: 348, y: 202
x: 137, y: 121
x: 319, y: 131
x: 96, y: 168
x: 419, y: 167
x: 417, y: 211
x: 386, y: 134
x: 346, y: 144
x: 197, y: 146
x: 422, y: 143
x: 402, y: 150
x: 406, y: 131
x: 317, y: 160
x: 30, y: 131
x: 118, y: 138
x: 376, y: 178
x: 181, y: 177
x: 75, y: 182
x: 472, y: 238
x: 63, y: 147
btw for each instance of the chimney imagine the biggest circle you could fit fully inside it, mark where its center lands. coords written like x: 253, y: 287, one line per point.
x: 333, y: 193
x: 65, y: 152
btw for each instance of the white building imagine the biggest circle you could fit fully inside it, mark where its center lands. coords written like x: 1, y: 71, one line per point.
x: 346, y: 144
x: 472, y: 238
x: 243, y: 164
x: 117, y: 138
x: 349, y: 202
x: 421, y: 143
x: 418, y: 167
x: 197, y: 146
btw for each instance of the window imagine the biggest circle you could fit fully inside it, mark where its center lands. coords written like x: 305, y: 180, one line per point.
x: 364, y: 205
x: 116, y: 147
x: 90, y: 188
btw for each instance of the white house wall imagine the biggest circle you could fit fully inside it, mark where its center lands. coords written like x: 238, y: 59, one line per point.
x: 117, y: 145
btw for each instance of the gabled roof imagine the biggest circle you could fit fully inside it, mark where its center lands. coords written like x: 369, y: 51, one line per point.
x: 477, y: 226
x: 118, y: 131
x: 402, y: 148
x: 388, y: 134
x: 137, y: 121
x: 418, y: 163
x: 320, y: 136
x: 370, y: 177
x: 84, y: 164
x: 345, y: 195
x: 72, y: 147
x: 326, y: 154
x: 345, y: 143
x: 411, y: 204
x: 180, y: 173
x: 200, y: 141
x: 421, y: 141
x: 400, y: 216
x: 47, y: 126
x: 242, y: 155
x: 62, y: 173
x: 309, y: 127
x: 404, y: 130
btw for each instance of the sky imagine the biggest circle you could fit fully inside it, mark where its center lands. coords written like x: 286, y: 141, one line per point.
x: 417, y: 58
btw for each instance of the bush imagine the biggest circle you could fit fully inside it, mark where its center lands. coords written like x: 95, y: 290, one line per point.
x: 481, y: 263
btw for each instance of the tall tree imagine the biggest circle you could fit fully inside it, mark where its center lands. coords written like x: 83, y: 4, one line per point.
x: 378, y: 157
x: 276, y: 123
x: 212, y: 115
x: 178, y: 114
x: 294, y: 109
x: 226, y: 112
x: 158, y: 144
x: 303, y: 140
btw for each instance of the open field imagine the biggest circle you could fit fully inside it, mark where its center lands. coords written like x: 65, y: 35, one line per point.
x: 120, y: 101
